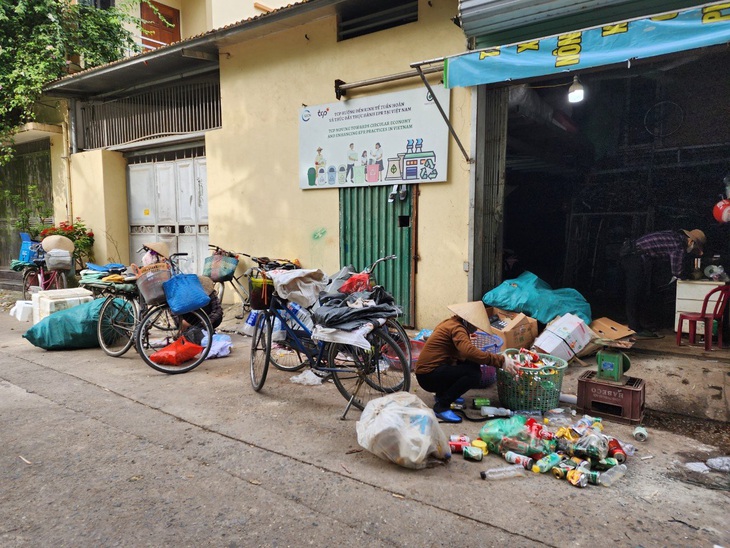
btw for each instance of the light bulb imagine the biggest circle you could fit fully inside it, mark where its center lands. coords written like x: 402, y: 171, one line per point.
x: 575, y: 91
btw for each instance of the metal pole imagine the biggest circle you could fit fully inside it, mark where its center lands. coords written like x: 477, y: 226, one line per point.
x: 444, y: 115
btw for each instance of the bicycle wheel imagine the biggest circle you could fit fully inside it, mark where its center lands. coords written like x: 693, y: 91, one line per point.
x: 400, y: 337
x: 260, y: 350
x: 364, y: 375
x: 30, y: 279
x: 55, y: 279
x: 286, y: 357
x: 117, y: 319
x: 160, y: 328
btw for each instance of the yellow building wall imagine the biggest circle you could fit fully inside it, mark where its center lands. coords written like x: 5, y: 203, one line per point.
x: 99, y: 194
x: 59, y: 178
x: 195, y: 17
x: 255, y: 203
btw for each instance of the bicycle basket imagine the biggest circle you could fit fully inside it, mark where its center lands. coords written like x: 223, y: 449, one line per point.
x: 533, y: 388
x: 260, y: 291
x: 58, y: 259
x: 150, y: 285
x: 219, y: 267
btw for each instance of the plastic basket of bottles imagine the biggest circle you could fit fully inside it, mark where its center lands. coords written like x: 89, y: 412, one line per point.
x: 537, y: 385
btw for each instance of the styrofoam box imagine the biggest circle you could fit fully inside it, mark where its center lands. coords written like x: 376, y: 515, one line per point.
x: 46, y: 303
x: 22, y: 311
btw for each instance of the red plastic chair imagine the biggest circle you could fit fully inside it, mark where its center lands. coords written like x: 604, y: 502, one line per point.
x: 707, y: 317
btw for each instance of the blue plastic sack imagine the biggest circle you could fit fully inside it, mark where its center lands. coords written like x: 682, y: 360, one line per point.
x: 184, y: 293
x: 534, y: 297
x: 67, y: 329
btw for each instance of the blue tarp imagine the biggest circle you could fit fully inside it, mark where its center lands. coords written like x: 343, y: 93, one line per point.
x: 534, y: 297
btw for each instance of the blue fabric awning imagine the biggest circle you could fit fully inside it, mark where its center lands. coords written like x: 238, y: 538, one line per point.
x: 697, y: 27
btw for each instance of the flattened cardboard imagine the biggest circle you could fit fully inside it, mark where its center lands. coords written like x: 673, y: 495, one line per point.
x: 606, y: 328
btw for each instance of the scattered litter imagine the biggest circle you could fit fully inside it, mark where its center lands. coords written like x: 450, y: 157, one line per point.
x: 345, y: 468
x: 721, y: 464
x: 26, y: 461
x: 308, y: 378
x: 396, y: 495
x: 423, y: 334
x: 698, y: 467
x: 254, y: 482
x: 647, y: 457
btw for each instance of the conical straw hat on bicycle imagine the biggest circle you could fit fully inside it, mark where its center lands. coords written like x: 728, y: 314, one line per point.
x: 57, y: 241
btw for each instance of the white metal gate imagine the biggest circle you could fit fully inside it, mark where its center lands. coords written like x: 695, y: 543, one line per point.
x: 168, y: 201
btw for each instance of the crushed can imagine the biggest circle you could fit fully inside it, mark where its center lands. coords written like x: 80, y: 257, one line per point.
x: 472, y: 453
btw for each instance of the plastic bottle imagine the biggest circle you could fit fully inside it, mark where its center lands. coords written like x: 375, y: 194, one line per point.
x: 612, y: 475
x: 514, y: 471
x: 250, y: 323
x: 496, y: 412
x: 546, y: 463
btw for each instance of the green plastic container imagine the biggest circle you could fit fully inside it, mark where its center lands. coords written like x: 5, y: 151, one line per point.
x: 534, y: 388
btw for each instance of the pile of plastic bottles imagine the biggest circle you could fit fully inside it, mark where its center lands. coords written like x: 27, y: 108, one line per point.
x: 578, y: 451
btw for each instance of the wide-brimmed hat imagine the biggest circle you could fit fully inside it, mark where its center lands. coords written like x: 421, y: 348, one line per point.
x: 697, y: 236
x: 57, y: 241
x: 207, y: 283
x: 161, y: 248
x: 473, y: 312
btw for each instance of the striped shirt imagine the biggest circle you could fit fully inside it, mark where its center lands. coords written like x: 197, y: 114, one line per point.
x: 667, y: 243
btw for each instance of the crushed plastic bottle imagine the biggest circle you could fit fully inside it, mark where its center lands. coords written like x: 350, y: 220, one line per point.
x: 612, y: 475
x: 488, y: 411
x: 628, y: 448
x: 505, y: 472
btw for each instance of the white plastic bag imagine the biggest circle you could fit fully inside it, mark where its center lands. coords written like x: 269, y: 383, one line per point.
x: 401, y: 428
x: 221, y: 346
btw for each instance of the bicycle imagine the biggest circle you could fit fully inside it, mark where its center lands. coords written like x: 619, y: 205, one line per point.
x: 366, y: 280
x: 159, y: 328
x: 119, y: 316
x: 360, y: 375
x: 225, y: 273
x: 39, y: 276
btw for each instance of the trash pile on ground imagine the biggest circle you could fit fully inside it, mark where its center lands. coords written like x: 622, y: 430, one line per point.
x: 575, y: 449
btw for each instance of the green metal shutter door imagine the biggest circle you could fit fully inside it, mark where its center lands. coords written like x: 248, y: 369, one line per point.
x: 370, y: 228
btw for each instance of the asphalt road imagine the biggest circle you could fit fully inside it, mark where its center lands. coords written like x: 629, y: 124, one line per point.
x: 100, y: 451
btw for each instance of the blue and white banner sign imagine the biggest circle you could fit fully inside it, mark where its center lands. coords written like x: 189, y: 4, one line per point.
x: 387, y: 139
x: 692, y: 28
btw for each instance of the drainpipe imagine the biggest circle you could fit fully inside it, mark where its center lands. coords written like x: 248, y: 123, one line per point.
x: 69, y: 133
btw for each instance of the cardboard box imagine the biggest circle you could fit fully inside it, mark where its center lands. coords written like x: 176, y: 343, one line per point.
x: 565, y: 337
x: 46, y: 303
x: 607, y: 329
x: 518, y: 331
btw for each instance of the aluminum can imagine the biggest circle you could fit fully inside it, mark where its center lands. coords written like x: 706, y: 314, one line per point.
x: 616, y: 451
x: 593, y: 477
x: 577, y: 478
x: 472, y: 453
x: 516, y: 458
x: 640, y: 433
x: 561, y: 469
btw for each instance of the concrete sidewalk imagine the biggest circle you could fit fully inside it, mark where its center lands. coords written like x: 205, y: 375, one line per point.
x: 106, y: 451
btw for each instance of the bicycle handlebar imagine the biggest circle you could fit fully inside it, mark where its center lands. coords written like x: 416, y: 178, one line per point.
x: 217, y: 249
x: 370, y: 268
